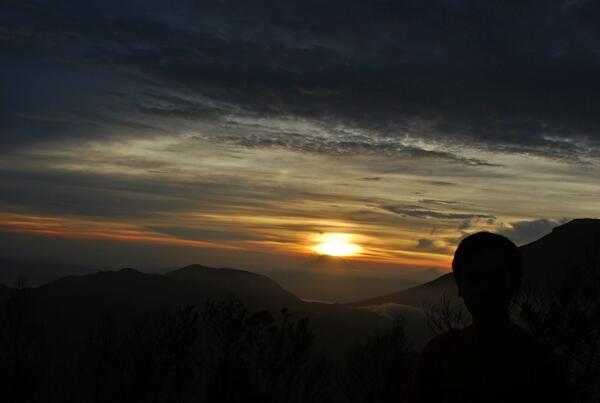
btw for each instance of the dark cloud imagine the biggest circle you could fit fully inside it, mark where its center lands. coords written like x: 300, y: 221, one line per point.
x: 512, y: 77
x: 420, y: 212
x: 425, y: 243
x: 203, y: 234
x: 341, y: 145
x: 439, y: 183
x: 465, y: 225
x: 106, y: 196
x: 522, y: 232
x: 429, y: 245
x: 441, y: 202
x: 99, y: 195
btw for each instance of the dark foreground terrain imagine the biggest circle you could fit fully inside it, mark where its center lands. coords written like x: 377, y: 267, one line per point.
x: 225, y: 335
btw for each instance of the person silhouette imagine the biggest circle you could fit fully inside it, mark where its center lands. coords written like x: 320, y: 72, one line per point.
x: 492, y: 360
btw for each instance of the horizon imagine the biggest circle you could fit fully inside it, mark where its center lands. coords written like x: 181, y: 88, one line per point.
x: 323, y: 278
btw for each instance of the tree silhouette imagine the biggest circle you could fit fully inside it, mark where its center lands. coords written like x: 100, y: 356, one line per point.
x: 226, y: 322
x: 568, y: 319
x: 379, y: 370
x: 448, y: 313
x: 100, y: 358
x: 246, y: 357
x: 176, y: 350
x: 260, y: 358
x: 141, y: 379
x: 23, y: 352
x: 284, y: 369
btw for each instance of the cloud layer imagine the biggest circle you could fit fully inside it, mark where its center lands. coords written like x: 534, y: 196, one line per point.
x: 396, y: 78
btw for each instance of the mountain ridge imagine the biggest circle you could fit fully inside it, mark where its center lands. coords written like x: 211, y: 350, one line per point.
x: 545, y: 261
x: 71, y: 306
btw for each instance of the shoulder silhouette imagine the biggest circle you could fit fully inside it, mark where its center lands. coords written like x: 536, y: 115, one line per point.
x: 492, y: 360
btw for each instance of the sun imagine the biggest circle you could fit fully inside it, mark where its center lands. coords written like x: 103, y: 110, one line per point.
x: 336, y: 245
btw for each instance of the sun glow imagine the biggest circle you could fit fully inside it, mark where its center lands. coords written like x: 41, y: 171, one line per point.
x: 336, y: 245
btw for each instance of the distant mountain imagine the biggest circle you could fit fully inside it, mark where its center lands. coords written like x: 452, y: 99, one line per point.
x: 72, y: 305
x: 256, y: 290
x: 36, y: 273
x: 430, y: 292
x: 545, y: 262
x: 547, y: 259
x: 329, y: 263
x: 332, y: 278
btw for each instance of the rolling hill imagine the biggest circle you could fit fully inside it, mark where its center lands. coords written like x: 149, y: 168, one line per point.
x: 36, y: 273
x: 429, y: 292
x: 545, y: 262
x: 335, y: 279
x: 72, y: 305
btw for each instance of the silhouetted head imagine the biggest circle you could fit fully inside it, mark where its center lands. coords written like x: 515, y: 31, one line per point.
x: 488, y: 270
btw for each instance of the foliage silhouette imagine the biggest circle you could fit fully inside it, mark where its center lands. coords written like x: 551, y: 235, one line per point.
x: 101, y: 358
x: 568, y: 319
x: 379, y: 369
x: 223, y: 352
x: 259, y: 358
x: 141, y: 371
x: 23, y: 351
x: 176, y: 350
x: 445, y: 315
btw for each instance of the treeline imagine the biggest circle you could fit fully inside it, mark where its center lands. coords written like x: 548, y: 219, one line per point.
x: 222, y: 352
x: 218, y: 352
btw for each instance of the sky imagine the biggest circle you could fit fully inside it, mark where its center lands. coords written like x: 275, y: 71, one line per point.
x: 236, y: 133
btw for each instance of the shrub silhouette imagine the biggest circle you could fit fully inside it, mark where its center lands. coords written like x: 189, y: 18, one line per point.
x: 100, y: 358
x: 176, y: 351
x: 259, y: 358
x: 23, y: 351
x: 141, y: 372
x: 568, y: 319
x: 379, y: 370
x: 447, y: 314
x: 218, y: 352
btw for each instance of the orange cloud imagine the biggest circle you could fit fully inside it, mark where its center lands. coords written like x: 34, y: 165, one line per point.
x: 95, y: 229
x: 295, y: 244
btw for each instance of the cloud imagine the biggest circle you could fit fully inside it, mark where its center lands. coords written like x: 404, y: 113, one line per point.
x: 389, y: 78
x: 419, y: 212
x: 425, y: 243
x: 433, y: 246
x: 445, y: 203
x: 439, y: 183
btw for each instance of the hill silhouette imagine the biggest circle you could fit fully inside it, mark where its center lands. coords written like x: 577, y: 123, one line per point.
x: 36, y: 272
x: 547, y: 259
x: 255, y: 290
x: 335, y: 278
x: 429, y: 292
x: 72, y: 305
x: 330, y: 263
x: 545, y: 262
